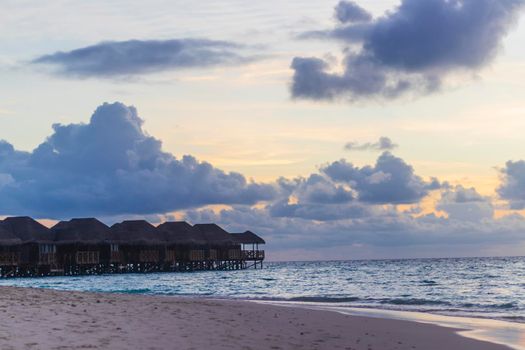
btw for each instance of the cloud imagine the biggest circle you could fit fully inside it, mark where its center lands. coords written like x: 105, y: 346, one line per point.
x: 384, y: 231
x: 512, y: 187
x: 383, y: 144
x: 460, y: 194
x: 317, y: 189
x: 112, y: 59
x: 110, y: 166
x: 411, y: 49
x: 342, y: 191
x: 390, y: 180
x: 317, y: 198
x: 465, y: 204
x: 318, y: 212
x: 350, y: 12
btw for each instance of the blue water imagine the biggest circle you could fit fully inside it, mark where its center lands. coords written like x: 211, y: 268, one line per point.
x: 473, y: 287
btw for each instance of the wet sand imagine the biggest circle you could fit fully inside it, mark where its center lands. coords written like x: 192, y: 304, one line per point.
x: 47, y: 319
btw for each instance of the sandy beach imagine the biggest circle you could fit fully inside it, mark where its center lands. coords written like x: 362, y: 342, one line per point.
x: 48, y: 319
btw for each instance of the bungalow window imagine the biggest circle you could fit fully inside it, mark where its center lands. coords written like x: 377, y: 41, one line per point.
x: 47, y: 253
x: 8, y: 258
x: 87, y: 257
x: 47, y: 248
x: 114, y: 252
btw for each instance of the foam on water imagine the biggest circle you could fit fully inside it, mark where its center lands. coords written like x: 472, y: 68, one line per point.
x: 473, y: 287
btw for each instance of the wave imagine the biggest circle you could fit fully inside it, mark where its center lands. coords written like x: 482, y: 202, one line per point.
x: 505, y: 306
x: 509, y: 305
x: 413, y: 301
x: 133, y: 291
x: 325, y: 299
x: 520, y: 319
x: 428, y: 282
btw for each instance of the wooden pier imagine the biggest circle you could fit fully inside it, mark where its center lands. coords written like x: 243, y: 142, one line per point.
x: 88, y: 246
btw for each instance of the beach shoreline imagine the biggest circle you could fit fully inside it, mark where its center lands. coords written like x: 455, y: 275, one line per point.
x: 503, y: 332
x: 49, y: 319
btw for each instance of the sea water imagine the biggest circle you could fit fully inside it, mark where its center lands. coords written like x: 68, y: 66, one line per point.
x: 473, y: 287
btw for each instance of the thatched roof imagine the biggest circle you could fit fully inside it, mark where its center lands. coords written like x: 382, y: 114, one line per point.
x: 28, y: 230
x: 135, y: 232
x: 247, y: 237
x: 23, y: 229
x: 7, y: 238
x: 214, y: 234
x: 180, y: 232
x: 86, y: 231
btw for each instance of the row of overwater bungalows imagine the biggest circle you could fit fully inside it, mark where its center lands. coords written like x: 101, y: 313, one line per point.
x: 88, y: 246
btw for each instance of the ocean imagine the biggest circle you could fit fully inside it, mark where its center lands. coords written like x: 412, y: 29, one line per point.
x: 472, y: 287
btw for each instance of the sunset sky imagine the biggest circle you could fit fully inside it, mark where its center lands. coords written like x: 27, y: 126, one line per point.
x: 369, y: 129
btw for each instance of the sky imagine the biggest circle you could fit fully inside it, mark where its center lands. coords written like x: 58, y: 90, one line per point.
x: 335, y: 130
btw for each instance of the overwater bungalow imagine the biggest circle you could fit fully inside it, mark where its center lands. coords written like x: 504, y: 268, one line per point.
x: 232, y: 250
x: 249, y: 242
x: 88, y: 246
x: 37, y: 250
x: 10, y: 246
x: 138, y: 244
x: 220, y: 244
x: 81, y: 244
x: 184, y: 244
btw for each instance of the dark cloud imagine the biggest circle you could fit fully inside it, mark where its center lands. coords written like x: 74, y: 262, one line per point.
x: 316, y: 197
x: 317, y: 189
x: 460, y: 194
x: 390, y: 180
x: 383, y: 144
x: 385, y: 228
x: 110, y: 166
x: 134, y: 57
x: 374, y: 227
x: 512, y: 187
x: 362, y: 78
x: 318, y: 212
x: 350, y: 12
x: 408, y: 50
x: 465, y: 204
x: 342, y: 191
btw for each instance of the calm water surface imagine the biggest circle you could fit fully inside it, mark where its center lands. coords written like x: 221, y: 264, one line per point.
x: 473, y: 287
